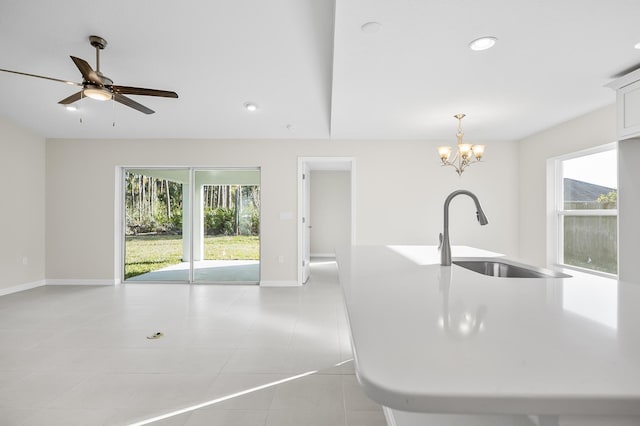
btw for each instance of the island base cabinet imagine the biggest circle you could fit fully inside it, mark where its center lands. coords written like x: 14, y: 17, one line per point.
x: 404, y: 418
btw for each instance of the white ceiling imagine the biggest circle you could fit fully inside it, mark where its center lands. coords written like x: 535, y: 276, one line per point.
x: 308, y: 66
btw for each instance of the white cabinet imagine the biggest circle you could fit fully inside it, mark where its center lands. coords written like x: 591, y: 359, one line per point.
x: 628, y: 105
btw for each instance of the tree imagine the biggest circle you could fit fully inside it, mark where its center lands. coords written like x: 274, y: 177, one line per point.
x: 608, y: 201
x: 155, y: 205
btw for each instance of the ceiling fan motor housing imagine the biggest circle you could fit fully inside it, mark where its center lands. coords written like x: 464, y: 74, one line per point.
x: 98, y: 42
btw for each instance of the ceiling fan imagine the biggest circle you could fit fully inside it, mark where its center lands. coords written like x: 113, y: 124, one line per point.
x: 96, y: 85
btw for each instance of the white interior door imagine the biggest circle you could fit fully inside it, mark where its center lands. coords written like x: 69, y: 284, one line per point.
x: 306, y: 223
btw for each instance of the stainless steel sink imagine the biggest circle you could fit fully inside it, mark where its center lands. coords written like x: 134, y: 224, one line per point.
x: 507, y: 269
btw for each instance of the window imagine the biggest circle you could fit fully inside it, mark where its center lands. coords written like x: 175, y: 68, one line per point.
x: 584, y: 206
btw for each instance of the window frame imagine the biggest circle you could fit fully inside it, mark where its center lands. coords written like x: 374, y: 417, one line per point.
x: 556, y: 212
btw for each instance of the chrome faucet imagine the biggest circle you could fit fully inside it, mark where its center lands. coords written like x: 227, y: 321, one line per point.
x: 445, y: 245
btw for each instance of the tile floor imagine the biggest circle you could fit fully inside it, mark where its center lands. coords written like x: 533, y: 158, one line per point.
x: 230, y: 355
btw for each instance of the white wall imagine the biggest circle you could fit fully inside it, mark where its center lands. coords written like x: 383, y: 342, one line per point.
x: 330, y: 215
x: 587, y: 131
x: 22, y: 215
x: 400, y: 190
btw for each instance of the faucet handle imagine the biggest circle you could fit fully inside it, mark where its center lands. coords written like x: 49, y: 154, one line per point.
x: 440, y: 237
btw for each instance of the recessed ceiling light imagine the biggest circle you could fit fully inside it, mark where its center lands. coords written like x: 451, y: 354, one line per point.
x: 483, y: 43
x: 250, y: 106
x: 637, y: 46
x: 371, y: 27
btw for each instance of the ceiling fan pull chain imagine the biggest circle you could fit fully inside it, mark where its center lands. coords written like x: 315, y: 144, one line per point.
x: 113, y: 108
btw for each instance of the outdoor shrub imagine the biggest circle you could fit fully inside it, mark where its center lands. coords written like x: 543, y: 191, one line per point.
x: 223, y: 221
x: 209, y: 221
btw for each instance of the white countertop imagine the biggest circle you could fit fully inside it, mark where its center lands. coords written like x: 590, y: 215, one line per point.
x: 439, y: 339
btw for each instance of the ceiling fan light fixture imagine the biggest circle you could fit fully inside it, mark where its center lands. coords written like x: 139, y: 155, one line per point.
x: 97, y: 93
x: 483, y: 43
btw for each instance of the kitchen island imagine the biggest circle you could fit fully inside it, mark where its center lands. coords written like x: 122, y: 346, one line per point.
x: 443, y: 345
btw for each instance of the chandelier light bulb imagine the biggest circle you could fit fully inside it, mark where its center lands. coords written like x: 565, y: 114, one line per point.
x: 464, y: 149
x: 444, y: 152
x: 478, y: 151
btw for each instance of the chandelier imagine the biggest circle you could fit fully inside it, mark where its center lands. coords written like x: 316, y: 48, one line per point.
x: 465, y: 155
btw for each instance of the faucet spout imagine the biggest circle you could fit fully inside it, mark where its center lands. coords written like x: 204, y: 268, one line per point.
x: 445, y: 250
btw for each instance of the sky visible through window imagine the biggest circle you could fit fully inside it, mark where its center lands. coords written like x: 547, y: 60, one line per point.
x: 600, y: 168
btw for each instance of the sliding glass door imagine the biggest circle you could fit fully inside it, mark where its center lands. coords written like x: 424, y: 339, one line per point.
x: 192, y: 225
x: 227, y: 226
x: 156, y: 237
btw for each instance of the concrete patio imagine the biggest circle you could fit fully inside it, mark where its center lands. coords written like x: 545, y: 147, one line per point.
x: 206, y: 271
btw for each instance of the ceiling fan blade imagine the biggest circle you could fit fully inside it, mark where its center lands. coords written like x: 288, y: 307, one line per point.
x: 126, y: 90
x: 131, y: 103
x: 87, y: 72
x: 41, y: 76
x: 71, y: 99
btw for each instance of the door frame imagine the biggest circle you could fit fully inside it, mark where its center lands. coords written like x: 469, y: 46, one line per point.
x: 309, y: 164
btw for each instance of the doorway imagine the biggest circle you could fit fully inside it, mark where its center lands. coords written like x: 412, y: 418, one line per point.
x: 191, y: 225
x: 326, y: 208
x: 226, y: 233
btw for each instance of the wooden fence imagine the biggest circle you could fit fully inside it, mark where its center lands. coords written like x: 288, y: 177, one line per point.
x: 591, y: 242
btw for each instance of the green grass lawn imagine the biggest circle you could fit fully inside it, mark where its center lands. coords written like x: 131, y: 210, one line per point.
x: 146, y: 253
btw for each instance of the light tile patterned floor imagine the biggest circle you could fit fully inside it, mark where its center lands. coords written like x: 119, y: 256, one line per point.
x: 79, y: 356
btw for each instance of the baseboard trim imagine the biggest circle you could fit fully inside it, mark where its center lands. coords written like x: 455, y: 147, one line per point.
x: 329, y: 255
x: 21, y: 287
x: 279, y: 284
x: 80, y: 282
